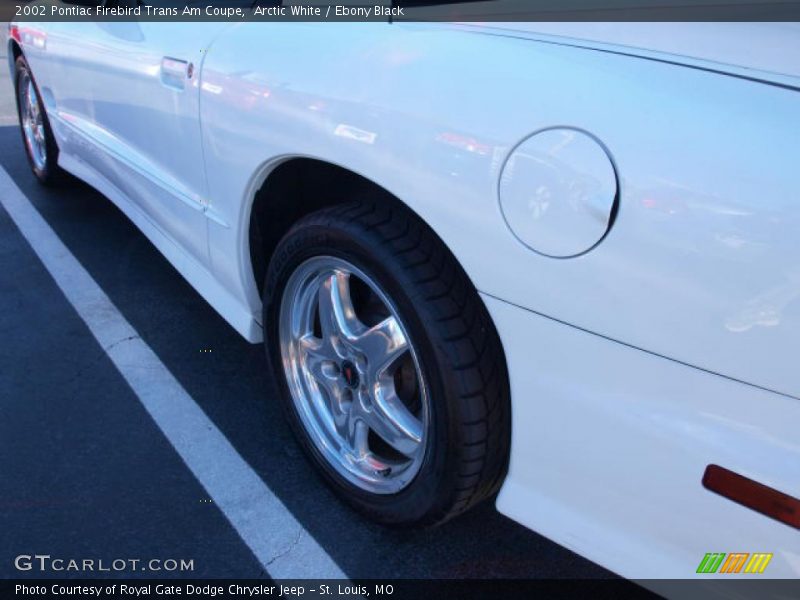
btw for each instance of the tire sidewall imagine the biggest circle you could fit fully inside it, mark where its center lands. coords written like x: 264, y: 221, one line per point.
x: 434, y: 482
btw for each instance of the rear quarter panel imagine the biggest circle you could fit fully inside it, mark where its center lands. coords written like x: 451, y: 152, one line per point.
x: 702, y: 262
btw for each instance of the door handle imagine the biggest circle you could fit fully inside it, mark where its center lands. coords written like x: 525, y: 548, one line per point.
x: 175, y: 72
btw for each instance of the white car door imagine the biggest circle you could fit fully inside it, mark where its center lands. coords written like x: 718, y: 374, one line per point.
x: 131, y: 90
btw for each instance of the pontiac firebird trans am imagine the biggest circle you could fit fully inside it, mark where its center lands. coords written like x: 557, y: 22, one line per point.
x: 558, y: 262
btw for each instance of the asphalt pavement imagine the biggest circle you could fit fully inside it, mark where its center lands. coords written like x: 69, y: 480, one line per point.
x: 89, y: 472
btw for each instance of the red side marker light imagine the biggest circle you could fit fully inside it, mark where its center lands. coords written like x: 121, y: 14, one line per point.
x: 753, y: 495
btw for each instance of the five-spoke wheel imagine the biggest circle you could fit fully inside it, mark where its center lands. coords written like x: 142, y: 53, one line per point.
x: 353, y: 374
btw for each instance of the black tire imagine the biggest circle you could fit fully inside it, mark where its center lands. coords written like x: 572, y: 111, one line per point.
x: 460, y: 355
x: 50, y: 174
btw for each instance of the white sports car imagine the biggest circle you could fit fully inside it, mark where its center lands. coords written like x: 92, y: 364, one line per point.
x: 561, y: 262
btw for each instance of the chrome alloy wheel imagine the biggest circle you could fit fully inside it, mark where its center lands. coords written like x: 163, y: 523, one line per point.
x: 32, y: 119
x: 353, y: 375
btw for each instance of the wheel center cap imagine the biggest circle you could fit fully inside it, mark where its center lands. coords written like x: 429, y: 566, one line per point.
x: 350, y: 374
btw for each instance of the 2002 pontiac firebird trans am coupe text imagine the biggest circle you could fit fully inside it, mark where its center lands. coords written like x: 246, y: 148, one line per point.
x: 560, y: 262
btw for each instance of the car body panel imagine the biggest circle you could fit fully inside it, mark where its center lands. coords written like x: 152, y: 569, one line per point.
x: 609, y: 447
x: 698, y: 267
x: 100, y: 71
x: 768, y: 55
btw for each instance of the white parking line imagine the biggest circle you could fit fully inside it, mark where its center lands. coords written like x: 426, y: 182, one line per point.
x: 278, y: 540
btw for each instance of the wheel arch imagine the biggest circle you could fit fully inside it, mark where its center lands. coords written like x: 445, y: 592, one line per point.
x: 288, y: 189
